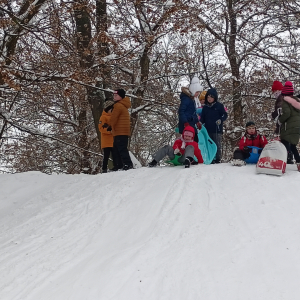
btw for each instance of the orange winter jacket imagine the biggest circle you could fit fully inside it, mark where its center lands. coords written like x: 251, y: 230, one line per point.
x: 107, y: 139
x: 120, y: 119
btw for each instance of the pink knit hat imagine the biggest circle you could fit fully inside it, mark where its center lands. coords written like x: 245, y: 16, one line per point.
x: 288, y: 89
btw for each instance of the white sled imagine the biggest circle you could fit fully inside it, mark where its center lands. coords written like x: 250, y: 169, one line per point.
x: 272, y: 160
x: 135, y: 162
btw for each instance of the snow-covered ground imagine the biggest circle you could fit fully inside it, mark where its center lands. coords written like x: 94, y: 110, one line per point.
x: 212, y: 232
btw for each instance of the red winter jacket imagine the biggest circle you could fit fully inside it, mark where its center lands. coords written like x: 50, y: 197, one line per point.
x: 260, y: 141
x: 178, y: 144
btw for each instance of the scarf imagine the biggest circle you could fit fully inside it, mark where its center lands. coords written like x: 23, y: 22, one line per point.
x: 197, y: 102
x: 251, y: 136
x: 183, y: 145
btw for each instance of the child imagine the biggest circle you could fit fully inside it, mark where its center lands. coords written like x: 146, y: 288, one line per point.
x: 185, y: 147
x: 107, y: 139
x: 290, y: 121
x: 120, y: 123
x: 276, y: 90
x: 213, y: 115
x: 250, y: 138
x: 199, y: 104
x: 187, y: 109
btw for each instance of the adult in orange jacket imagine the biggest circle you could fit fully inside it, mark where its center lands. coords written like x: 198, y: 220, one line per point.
x: 120, y: 123
x: 107, y: 139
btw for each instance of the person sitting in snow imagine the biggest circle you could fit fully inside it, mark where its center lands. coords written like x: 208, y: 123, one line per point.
x: 250, y: 138
x: 185, y: 148
x: 187, y: 108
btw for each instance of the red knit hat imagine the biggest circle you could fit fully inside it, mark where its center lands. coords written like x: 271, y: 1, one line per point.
x: 277, y: 86
x: 288, y: 89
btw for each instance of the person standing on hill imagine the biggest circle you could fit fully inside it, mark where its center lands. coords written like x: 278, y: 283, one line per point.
x: 290, y: 121
x: 107, y: 139
x: 187, y: 109
x: 120, y: 123
x: 213, y: 115
x: 276, y: 90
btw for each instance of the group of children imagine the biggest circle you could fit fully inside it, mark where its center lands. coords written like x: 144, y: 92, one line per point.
x: 198, y: 108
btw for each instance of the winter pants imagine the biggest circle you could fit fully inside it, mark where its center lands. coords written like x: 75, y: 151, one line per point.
x: 169, y: 151
x: 239, y: 154
x: 217, y: 138
x: 291, y: 148
x: 122, y: 153
x: 106, y: 154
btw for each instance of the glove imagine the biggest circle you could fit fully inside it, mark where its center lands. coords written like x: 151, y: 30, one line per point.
x: 246, y: 149
x: 199, y: 125
x: 186, y: 124
x: 109, y: 128
x: 177, y: 152
x: 105, y: 125
x: 218, y: 122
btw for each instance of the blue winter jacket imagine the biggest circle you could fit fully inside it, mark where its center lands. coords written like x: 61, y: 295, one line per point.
x: 213, y: 112
x: 187, y: 110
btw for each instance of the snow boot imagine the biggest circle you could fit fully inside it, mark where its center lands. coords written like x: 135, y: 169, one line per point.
x: 290, y: 158
x: 187, y: 163
x: 238, y: 162
x: 152, y: 164
x: 127, y: 167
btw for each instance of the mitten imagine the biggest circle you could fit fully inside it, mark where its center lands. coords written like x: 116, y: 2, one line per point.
x: 246, y: 149
x: 199, y: 125
x: 177, y: 152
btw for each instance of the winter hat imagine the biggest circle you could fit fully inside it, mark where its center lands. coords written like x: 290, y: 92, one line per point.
x: 202, y: 95
x: 120, y: 92
x: 195, y: 86
x: 213, y: 93
x: 277, y: 86
x: 288, y: 89
x: 250, y: 123
x: 109, y: 104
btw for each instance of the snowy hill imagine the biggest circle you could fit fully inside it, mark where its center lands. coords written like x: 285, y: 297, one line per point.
x: 212, y: 232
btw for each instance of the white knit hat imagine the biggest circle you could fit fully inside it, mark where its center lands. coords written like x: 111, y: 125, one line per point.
x: 195, y: 86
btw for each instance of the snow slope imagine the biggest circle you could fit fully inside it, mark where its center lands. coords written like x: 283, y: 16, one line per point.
x: 209, y: 232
